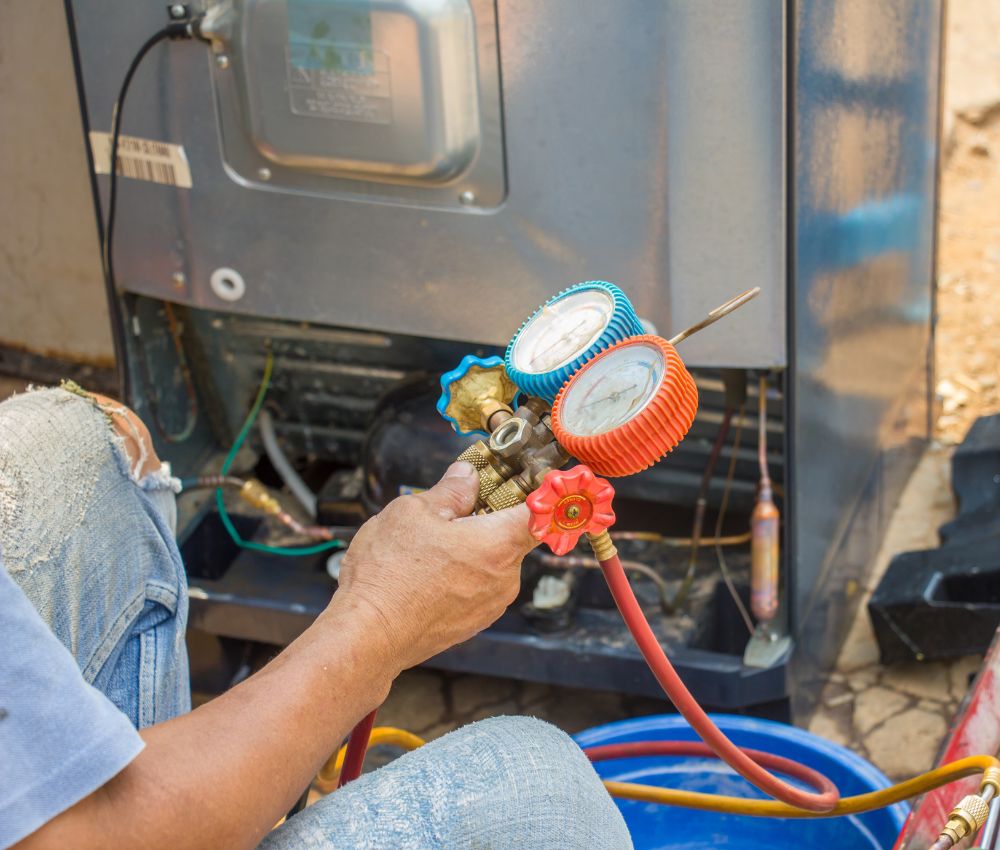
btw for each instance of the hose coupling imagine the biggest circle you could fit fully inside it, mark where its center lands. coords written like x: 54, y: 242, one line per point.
x: 991, y: 779
x: 254, y: 493
x: 602, y: 545
x: 965, y: 819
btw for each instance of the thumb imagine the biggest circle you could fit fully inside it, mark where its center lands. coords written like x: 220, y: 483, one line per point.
x: 508, y: 527
x: 456, y: 493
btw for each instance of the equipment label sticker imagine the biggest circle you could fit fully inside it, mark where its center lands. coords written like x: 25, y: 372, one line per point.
x: 142, y: 159
x: 334, y: 71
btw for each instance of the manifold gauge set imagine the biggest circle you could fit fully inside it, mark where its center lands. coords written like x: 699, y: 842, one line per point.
x: 581, y: 380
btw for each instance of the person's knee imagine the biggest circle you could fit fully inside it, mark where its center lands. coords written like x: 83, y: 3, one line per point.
x: 543, y: 787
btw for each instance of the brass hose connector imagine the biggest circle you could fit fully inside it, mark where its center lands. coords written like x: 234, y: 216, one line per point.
x: 602, y: 545
x: 489, y: 481
x: 477, y: 454
x: 991, y: 779
x: 254, y: 493
x: 507, y: 495
x: 965, y: 819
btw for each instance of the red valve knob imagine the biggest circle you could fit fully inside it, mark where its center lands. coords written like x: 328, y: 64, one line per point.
x: 569, y: 503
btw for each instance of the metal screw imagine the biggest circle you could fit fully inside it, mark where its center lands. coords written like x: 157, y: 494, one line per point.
x: 222, y: 62
x: 573, y: 511
x: 179, y: 280
x: 177, y: 11
x: 264, y: 173
x: 467, y: 197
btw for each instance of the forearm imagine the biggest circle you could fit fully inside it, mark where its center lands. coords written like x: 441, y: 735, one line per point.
x: 224, y: 774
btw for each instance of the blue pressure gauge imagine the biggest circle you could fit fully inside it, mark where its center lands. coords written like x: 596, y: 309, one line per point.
x: 566, y: 332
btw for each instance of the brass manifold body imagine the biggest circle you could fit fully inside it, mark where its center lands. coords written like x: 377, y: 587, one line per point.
x: 516, y: 457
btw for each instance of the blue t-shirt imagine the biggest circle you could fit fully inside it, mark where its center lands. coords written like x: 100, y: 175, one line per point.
x: 60, y: 738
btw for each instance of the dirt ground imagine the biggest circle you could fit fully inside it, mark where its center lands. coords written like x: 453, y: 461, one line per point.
x: 864, y: 705
x: 968, y: 329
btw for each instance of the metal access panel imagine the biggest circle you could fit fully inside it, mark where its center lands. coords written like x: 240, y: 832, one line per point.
x: 418, y: 167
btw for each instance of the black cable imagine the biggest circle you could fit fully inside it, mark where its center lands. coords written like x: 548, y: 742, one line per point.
x: 173, y: 30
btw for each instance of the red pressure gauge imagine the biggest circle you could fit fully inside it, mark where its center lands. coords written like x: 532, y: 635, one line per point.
x: 627, y: 407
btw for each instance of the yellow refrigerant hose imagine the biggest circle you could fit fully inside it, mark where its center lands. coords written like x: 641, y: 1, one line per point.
x: 987, y: 766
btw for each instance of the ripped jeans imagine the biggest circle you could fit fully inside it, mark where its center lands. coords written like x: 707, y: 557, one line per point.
x: 93, y: 549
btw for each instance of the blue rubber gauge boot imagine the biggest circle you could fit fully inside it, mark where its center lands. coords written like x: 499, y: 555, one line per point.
x: 566, y: 332
x: 476, y: 385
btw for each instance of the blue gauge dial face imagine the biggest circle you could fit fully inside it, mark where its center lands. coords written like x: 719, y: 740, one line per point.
x: 608, y: 392
x: 562, y: 331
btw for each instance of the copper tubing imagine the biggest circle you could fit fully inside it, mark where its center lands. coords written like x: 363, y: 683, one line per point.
x: 699, y: 514
x: 567, y: 562
x: 765, y: 528
x: 723, y: 506
x: 680, y: 542
x: 765, y: 474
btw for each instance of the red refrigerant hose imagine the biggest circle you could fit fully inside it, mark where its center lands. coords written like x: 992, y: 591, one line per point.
x: 822, y: 800
x: 357, y: 746
x: 639, y: 749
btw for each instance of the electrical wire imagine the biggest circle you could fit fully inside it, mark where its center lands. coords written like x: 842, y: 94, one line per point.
x: 210, y: 482
x: 173, y: 30
x: 727, y: 577
x: 290, y: 551
x: 283, y: 466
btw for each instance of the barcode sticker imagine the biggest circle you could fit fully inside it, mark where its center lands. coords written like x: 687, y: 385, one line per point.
x: 142, y: 159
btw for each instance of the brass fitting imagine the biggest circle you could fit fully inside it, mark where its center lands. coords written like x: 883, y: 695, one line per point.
x: 602, y: 545
x: 477, y: 454
x: 254, y: 493
x: 494, y: 413
x: 478, y: 395
x: 489, y: 481
x: 966, y: 818
x: 507, y: 495
x: 991, y: 779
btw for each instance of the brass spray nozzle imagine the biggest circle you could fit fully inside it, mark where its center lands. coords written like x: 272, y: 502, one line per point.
x: 965, y: 819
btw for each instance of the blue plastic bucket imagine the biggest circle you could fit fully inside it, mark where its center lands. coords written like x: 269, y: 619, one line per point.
x: 657, y: 827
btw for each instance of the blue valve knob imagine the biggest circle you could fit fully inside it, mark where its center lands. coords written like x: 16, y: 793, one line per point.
x: 567, y: 331
x: 475, y: 386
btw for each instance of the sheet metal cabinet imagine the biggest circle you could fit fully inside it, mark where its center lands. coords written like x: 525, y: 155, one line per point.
x: 412, y: 177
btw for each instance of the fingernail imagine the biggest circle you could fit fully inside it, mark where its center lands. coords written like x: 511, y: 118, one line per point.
x: 460, y: 469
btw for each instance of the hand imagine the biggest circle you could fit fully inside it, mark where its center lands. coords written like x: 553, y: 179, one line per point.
x: 430, y: 574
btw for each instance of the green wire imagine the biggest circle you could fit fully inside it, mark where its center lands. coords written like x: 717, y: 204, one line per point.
x: 291, y: 551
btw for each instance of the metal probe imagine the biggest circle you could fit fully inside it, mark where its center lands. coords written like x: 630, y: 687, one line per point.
x: 988, y: 837
x: 716, y: 314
